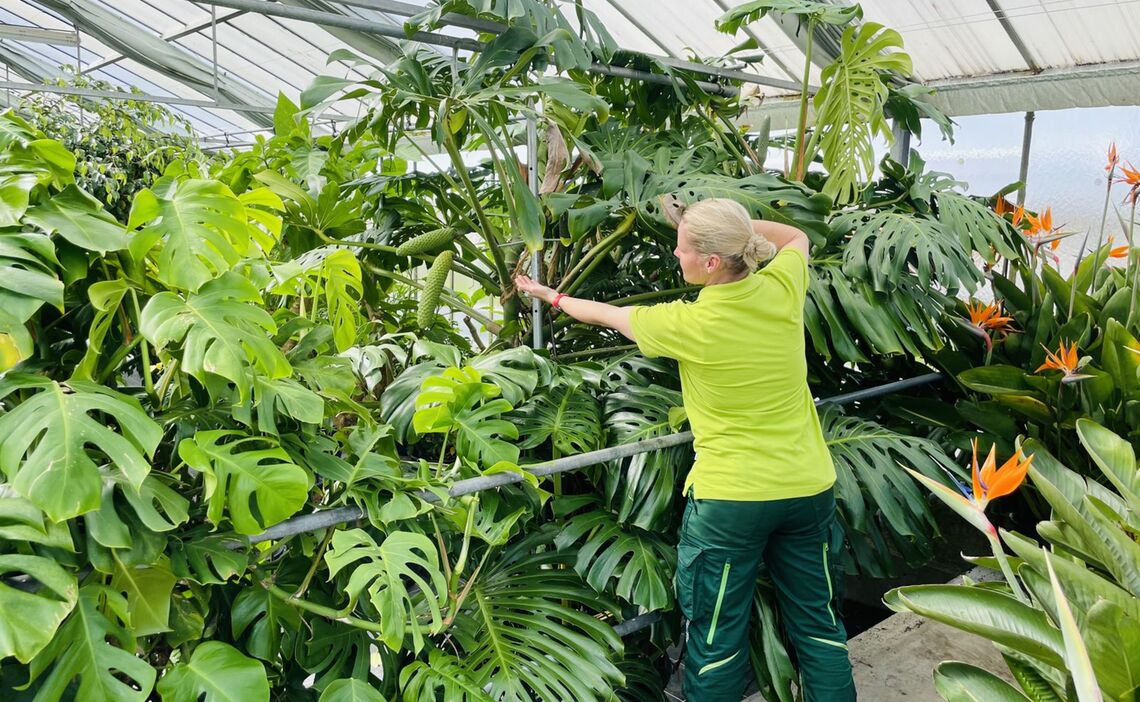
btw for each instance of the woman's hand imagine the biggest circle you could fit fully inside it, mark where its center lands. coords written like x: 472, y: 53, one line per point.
x: 535, y: 289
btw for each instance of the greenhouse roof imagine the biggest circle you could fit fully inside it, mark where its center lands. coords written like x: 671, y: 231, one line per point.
x: 981, y: 56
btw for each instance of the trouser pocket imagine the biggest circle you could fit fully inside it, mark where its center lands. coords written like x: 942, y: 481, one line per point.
x: 685, y: 579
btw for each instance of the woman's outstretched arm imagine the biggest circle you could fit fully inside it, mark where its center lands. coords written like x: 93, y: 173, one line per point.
x: 596, y: 313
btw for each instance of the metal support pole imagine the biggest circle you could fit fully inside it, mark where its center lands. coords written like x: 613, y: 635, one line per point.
x: 536, y: 255
x: 1026, y: 142
x: 214, y: 46
x: 900, y: 150
x: 79, y: 71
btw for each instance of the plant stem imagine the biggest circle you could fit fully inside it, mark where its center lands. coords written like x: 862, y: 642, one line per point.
x: 461, y: 560
x: 167, y: 377
x: 574, y: 279
x: 555, y: 454
x: 473, y: 200
x: 147, y: 382
x: 458, y: 602
x: 118, y: 357
x: 316, y: 562
x: 1006, y: 569
x: 326, y: 612
x: 1076, y: 270
x: 801, y: 129
x: 442, y: 454
x: 1097, y: 262
x: 1133, y: 264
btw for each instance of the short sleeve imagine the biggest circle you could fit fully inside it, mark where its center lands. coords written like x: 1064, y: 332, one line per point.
x: 660, y: 329
x: 789, y: 270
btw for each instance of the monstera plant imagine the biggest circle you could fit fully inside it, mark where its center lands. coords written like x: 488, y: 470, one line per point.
x: 242, y: 431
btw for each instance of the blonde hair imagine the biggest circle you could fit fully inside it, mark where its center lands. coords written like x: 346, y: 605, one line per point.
x: 723, y: 227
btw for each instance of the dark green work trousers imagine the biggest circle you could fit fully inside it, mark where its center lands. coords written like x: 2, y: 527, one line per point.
x: 723, y: 543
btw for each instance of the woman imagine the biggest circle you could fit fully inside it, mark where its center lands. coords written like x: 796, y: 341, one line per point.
x: 760, y: 489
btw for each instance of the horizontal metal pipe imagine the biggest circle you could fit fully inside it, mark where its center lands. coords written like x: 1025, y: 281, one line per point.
x: 638, y: 623
x: 880, y: 390
x: 340, y: 515
x: 397, y: 32
x: 330, y: 19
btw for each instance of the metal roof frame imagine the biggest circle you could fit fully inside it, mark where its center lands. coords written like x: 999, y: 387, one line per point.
x: 1003, y: 73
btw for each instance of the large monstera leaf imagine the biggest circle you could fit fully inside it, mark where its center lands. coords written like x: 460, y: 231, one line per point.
x: 80, y: 219
x: 978, y: 228
x: 566, y: 415
x: 525, y: 637
x: 385, y: 575
x: 240, y: 470
x: 848, y: 318
x: 458, y: 401
x: 889, y: 246
x: 331, y: 274
x: 878, y: 502
x: 849, y: 105
x: 221, y: 332
x: 33, y: 617
x: 202, y: 227
x: 95, y: 651
x: 641, y: 490
x: 517, y: 372
x: 50, y: 442
x: 216, y: 672
x: 765, y: 195
x: 634, y: 564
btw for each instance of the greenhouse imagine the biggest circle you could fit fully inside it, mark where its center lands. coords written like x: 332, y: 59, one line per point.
x: 569, y: 350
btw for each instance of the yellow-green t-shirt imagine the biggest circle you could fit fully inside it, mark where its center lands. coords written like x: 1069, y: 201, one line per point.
x: 740, y: 348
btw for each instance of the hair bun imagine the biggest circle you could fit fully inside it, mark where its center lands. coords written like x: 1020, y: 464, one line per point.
x: 757, y: 250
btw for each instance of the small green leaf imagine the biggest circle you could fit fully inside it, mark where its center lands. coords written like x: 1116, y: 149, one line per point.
x: 148, y: 590
x: 46, y: 442
x: 239, y: 471
x: 92, y: 657
x: 386, y: 575
x: 351, y: 690
x: 216, y: 672
x: 79, y: 218
x: 23, y: 635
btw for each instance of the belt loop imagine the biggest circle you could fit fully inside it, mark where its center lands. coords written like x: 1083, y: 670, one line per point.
x: 693, y: 500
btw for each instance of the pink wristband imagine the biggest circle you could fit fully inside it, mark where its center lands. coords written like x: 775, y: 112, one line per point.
x: 556, y: 300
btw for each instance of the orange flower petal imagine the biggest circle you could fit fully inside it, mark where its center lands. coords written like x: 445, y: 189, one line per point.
x: 1131, y: 175
x: 988, y: 470
x: 1010, y: 476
